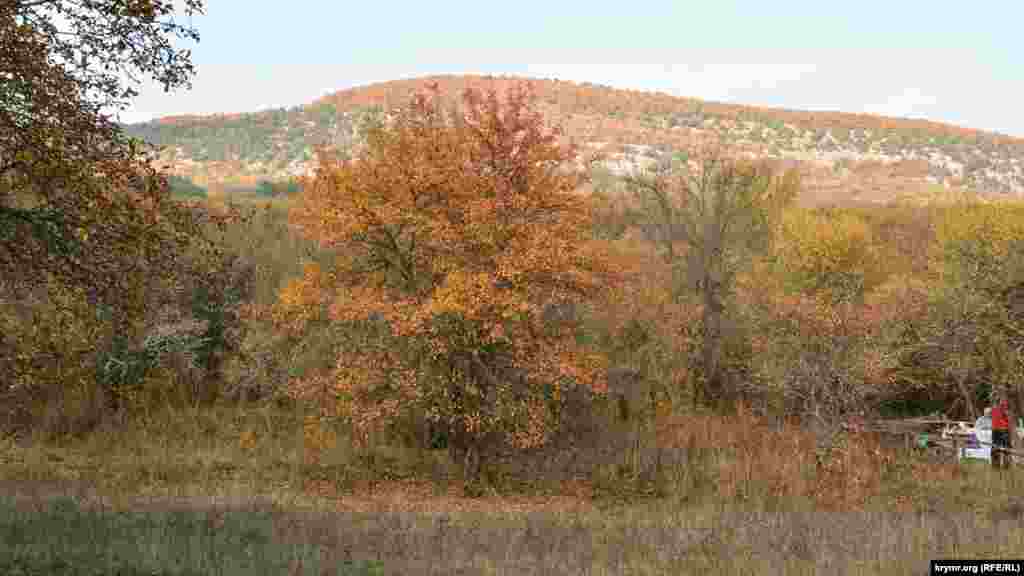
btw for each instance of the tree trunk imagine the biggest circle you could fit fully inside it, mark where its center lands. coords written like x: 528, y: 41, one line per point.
x: 472, y: 471
x: 972, y: 412
x: 712, y: 343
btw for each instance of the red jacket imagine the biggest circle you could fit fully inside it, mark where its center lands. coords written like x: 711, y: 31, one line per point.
x: 1001, y: 416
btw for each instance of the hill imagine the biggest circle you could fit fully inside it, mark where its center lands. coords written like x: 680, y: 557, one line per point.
x: 845, y: 157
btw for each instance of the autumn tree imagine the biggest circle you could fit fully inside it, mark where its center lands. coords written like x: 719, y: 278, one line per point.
x: 459, y: 222
x: 969, y: 344
x: 709, y: 218
x: 831, y: 254
x: 84, y: 215
x: 77, y: 198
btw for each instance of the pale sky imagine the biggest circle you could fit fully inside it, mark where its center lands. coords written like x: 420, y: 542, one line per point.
x: 958, y: 62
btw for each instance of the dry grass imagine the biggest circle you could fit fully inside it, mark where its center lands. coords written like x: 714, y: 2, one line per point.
x: 734, y: 494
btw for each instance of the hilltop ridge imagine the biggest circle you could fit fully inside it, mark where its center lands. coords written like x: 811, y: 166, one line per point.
x: 845, y: 157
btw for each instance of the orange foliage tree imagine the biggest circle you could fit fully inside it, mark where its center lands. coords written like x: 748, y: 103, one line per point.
x: 459, y: 227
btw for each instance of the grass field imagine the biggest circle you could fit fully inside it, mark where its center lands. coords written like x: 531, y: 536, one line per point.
x: 184, y: 494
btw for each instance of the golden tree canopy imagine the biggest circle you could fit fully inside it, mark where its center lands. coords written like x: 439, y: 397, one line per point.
x: 469, y: 212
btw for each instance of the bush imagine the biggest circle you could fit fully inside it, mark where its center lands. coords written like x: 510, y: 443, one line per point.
x: 47, y: 339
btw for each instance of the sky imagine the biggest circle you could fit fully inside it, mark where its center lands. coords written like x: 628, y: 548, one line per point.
x: 957, y: 62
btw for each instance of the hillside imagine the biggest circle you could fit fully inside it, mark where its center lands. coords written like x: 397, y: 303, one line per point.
x: 844, y: 157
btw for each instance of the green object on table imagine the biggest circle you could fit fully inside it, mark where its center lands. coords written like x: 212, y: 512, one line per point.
x: 922, y: 440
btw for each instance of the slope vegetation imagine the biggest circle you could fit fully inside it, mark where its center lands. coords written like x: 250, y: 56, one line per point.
x: 846, y: 158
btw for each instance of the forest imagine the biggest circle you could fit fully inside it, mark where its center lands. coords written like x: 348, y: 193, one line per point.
x: 462, y: 344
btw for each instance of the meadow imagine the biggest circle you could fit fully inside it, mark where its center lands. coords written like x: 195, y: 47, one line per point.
x: 180, y: 496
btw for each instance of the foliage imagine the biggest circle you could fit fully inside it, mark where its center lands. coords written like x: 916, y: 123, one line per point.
x: 980, y: 244
x: 77, y: 199
x: 273, y: 138
x: 709, y: 223
x: 73, y: 364
x: 614, y: 213
x: 829, y: 253
x: 271, y: 254
x: 83, y: 211
x: 458, y: 226
x: 94, y: 47
x: 957, y: 352
x: 213, y: 297
x: 819, y: 359
x: 969, y: 344
x: 48, y: 336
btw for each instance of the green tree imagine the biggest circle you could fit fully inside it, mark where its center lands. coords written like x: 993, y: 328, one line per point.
x: 709, y: 223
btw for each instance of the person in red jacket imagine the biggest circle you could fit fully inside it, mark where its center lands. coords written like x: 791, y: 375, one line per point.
x: 1001, y: 433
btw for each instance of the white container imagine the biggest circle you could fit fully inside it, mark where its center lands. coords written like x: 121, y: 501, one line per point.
x: 979, y: 442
